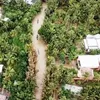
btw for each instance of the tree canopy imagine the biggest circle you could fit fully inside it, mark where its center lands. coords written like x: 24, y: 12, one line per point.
x: 15, y: 40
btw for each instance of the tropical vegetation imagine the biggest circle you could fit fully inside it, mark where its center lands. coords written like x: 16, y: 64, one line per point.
x: 67, y: 23
x: 15, y: 44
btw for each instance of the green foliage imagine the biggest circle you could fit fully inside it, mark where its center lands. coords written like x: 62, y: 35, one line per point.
x: 91, y: 91
x: 65, y: 26
x: 21, y: 91
x: 56, y: 77
x: 65, y: 94
x: 66, y: 23
x: 15, y: 36
x: 62, y: 56
x: 93, y: 52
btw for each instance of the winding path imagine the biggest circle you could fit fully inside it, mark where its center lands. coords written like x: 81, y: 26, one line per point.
x: 40, y: 48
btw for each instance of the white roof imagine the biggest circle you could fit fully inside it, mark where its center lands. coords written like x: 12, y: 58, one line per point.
x: 73, y: 88
x: 5, y: 19
x: 1, y: 67
x: 2, y: 97
x: 89, y: 61
x: 30, y: 1
x: 92, y: 41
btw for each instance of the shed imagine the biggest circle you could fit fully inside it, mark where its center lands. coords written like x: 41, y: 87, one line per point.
x: 73, y: 88
x: 88, y: 61
x: 92, y: 42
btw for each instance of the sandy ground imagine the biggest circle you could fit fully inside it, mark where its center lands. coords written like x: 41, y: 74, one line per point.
x: 39, y: 47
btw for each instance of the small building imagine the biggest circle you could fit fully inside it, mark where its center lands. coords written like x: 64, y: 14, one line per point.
x: 92, y: 42
x: 1, y: 68
x: 89, y: 61
x: 73, y: 88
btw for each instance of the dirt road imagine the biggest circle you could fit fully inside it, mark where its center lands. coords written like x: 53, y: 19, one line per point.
x: 39, y: 47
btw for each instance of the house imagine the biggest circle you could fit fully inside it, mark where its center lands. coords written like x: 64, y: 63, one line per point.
x: 89, y: 61
x: 73, y: 88
x: 92, y: 42
x: 1, y: 68
x: 86, y: 65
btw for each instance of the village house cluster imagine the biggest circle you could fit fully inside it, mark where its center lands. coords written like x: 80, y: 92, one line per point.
x: 86, y: 64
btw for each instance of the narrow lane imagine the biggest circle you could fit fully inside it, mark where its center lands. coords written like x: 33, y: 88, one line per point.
x: 39, y: 47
